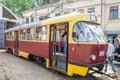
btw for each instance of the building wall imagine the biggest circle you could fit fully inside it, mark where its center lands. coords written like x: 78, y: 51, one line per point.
x: 102, y: 10
x: 112, y: 24
x: 7, y: 20
x: 2, y: 27
x: 0, y: 12
x: 4, y: 11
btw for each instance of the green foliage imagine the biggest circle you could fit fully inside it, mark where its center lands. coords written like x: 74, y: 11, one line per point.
x: 18, y: 6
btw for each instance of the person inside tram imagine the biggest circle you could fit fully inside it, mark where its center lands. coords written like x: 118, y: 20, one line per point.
x: 64, y: 40
x: 31, y: 34
x: 39, y: 35
x: 79, y: 32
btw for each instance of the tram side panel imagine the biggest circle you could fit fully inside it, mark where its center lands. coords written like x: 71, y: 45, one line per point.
x: 9, y: 46
x: 80, y: 57
x: 82, y: 53
x: 40, y: 49
x: 9, y: 43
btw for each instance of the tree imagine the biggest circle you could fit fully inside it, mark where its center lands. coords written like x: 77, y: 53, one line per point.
x: 17, y: 6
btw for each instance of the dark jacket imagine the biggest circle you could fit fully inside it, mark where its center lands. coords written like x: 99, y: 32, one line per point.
x: 117, y: 49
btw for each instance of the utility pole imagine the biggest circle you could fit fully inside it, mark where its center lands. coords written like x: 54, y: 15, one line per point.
x: 36, y: 14
x: 101, y: 13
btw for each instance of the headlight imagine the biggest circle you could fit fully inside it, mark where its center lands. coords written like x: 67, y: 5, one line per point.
x: 93, y: 57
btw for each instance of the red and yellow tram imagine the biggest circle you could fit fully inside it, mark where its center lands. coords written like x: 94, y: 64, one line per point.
x: 42, y: 42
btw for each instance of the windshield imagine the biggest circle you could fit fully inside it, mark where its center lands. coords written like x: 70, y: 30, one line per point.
x: 86, y: 32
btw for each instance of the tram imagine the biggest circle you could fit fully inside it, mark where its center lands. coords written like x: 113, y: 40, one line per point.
x: 43, y: 42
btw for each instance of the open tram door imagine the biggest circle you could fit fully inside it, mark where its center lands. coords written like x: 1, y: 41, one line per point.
x: 58, y: 53
x: 16, y: 42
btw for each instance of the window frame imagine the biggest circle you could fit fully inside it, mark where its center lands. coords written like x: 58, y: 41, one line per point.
x: 113, y: 13
x: 91, y: 10
x: 27, y: 20
x: 57, y: 14
x: 32, y: 19
x: 81, y: 11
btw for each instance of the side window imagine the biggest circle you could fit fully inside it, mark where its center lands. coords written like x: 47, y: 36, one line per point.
x: 41, y: 33
x: 38, y: 33
x: 30, y: 34
x: 10, y: 36
x: 22, y: 34
x: 6, y: 36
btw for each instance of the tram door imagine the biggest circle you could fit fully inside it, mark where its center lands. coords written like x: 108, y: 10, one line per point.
x: 16, y: 42
x: 58, y: 58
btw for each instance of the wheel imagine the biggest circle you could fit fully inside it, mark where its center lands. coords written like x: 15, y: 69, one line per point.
x: 100, y: 67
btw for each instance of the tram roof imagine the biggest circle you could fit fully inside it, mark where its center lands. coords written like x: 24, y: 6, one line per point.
x: 24, y: 26
x: 70, y: 17
x: 54, y: 20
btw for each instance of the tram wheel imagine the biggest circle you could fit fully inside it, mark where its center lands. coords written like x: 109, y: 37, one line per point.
x: 100, y: 67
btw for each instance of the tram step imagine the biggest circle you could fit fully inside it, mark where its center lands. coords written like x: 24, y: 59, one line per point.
x: 61, y: 58
x: 61, y: 65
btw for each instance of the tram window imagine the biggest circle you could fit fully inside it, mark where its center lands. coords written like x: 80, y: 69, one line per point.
x: 78, y: 32
x: 7, y: 36
x: 22, y: 34
x: 30, y: 34
x: 10, y: 36
x: 87, y: 32
x: 38, y: 33
x: 41, y: 33
x: 58, y: 36
x: 83, y: 33
x: 61, y: 28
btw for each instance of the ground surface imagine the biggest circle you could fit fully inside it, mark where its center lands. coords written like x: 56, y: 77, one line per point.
x: 17, y: 68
